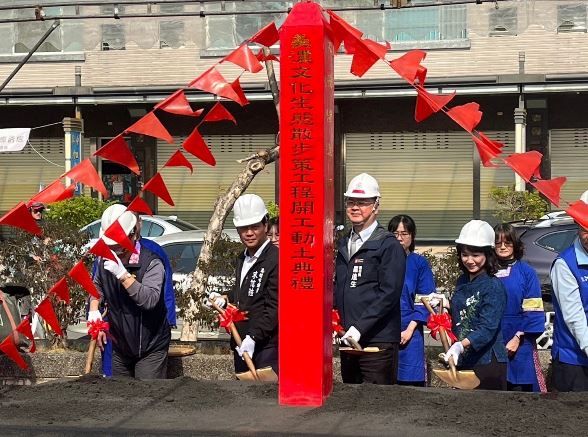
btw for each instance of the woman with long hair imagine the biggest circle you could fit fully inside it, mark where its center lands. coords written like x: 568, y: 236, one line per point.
x: 477, y: 307
x: 524, y: 319
x: 418, y: 282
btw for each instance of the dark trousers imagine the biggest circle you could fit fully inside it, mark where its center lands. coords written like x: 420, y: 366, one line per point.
x: 151, y: 366
x: 492, y: 376
x: 569, y: 377
x: 371, y: 368
x: 266, y: 356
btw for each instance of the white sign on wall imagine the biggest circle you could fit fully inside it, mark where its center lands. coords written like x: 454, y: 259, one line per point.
x: 13, y: 139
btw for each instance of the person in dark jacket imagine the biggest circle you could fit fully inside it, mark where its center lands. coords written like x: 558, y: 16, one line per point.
x: 370, y: 269
x: 477, y: 308
x: 256, y: 287
x: 133, y: 288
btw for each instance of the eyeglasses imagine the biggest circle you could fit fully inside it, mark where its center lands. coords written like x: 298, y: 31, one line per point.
x: 505, y: 243
x: 38, y: 211
x: 402, y: 234
x: 350, y: 203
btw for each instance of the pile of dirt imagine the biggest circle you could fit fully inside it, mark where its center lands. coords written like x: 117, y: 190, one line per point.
x: 93, y: 405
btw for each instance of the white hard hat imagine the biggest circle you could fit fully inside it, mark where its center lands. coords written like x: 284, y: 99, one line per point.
x: 248, y: 210
x: 584, y: 197
x: 477, y: 233
x: 363, y: 186
x: 127, y: 220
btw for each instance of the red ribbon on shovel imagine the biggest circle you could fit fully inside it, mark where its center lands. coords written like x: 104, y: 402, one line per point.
x: 336, y: 322
x: 437, y: 321
x: 95, y: 327
x: 231, y: 315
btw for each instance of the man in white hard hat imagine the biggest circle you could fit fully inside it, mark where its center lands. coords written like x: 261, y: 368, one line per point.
x: 133, y: 288
x: 370, y: 270
x: 569, y: 352
x: 256, y: 286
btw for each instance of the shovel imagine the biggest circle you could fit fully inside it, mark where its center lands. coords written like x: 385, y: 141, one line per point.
x: 462, y: 379
x: 265, y: 374
x: 92, y: 352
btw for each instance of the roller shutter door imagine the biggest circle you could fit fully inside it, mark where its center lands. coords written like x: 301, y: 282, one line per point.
x: 427, y: 175
x: 195, y: 195
x: 569, y: 157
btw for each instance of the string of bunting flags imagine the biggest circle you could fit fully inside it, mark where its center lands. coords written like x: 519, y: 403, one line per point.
x: 365, y: 53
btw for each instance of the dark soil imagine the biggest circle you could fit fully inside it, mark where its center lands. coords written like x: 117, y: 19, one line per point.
x: 95, y: 406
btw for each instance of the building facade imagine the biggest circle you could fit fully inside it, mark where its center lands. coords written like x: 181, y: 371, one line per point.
x: 525, y: 55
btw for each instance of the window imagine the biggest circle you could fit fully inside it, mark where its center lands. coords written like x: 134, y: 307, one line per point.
x: 183, y: 256
x: 113, y: 35
x: 557, y: 241
x: 571, y: 18
x: 93, y: 230
x: 503, y: 21
x: 155, y: 231
x: 182, y: 225
x: 171, y: 31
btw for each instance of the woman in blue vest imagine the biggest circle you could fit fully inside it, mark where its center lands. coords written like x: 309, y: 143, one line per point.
x: 524, y: 318
x: 477, y: 307
x: 418, y: 282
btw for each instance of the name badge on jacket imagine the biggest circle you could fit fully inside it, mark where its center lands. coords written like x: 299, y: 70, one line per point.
x: 255, y: 283
x: 355, y: 275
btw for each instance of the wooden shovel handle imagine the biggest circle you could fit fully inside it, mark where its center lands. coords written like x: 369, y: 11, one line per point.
x: 443, y: 335
x: 237, y: 339
x: 90, y: 357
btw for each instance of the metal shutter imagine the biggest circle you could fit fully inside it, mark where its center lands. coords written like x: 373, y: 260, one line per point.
x: 194, y: 195
x: 427, y: 175
x: 569, y: 154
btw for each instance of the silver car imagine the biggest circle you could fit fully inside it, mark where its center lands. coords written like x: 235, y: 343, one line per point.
x: 153, y: 226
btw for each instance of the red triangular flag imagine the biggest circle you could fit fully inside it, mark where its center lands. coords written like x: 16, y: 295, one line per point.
x: 85, y: 173
x: 341, y: 30
x: 117, y: 150
x: 68, y: 193
x: 116, y: 233
x: 526, y: 165
x: 20, y: 217
x: 428, y: 104
x: 241, y: 97
x: 79, y: 274
x: 45, y: 310
x: 261, y: 57
x: 213, y: 82
x: 179, y: 160
x: 579, y: 211
x: 244, y: 58
x: 218, y: 113
x: 139, y: 205
x: 376, y: 48
x: 409, y: 66
x: 25, y: 329
x: 156, y: 185
x: 267, y: 36
x: 102, y: 249
x: 9, y: 348
x: 487, y: 148
x: 195, y: 145
x: 53, y: 192
x: 467, y: 116
x: 61, y: 290
x: 177, y: 103
x: 150, y: 125
x: 551, y: 188
x: 363, y: 59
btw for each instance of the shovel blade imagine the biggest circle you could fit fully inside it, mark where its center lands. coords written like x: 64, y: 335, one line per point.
x: 463, y: 379
x: 245, y: 376
x: 267, y: 374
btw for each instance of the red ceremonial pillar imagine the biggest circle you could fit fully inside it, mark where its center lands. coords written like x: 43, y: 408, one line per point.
x: 306, y: 207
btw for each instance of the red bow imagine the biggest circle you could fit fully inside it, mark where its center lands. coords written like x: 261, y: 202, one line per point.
x: 438, y: 321
x: 336, y: 321
x: 97, y: 326
x: 231, y: 315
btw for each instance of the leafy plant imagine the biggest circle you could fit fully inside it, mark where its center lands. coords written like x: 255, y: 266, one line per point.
x: 77, y: 211
x: 514, y: 205
x: 39, y: 262
x: 273, y: 210
x: 445, y: 269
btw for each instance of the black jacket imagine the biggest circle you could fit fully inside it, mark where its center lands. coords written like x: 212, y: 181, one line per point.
x: 135, y: 332
x: 258, y: 295
x: 369, y: 285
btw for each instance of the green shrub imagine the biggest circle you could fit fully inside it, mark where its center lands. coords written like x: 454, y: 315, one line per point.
x: 77, y: 211
x: 514, y: 205
x: 273, y: 209
x: 445, y: 269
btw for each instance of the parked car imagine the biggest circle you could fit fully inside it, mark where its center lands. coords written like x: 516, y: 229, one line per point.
x: 153, y: 226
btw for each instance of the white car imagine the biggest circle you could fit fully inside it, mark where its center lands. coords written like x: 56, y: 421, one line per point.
x: 153, y: 226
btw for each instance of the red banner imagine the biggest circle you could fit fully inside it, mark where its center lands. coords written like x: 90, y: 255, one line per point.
x: 306, y: 207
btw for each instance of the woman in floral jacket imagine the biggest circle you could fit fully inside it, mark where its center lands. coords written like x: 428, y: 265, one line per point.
x: 477, y: 308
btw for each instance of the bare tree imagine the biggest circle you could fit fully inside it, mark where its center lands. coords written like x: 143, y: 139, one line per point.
x: 223, y: 205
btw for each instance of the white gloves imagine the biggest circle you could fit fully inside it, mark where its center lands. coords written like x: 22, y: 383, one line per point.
x: 116, y: 268
x: 94, y: 316
x: 247, y: 345
x: 215, y: 298
x: 454, y: 351
x: 351, y: 333
x: 436, y: 299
